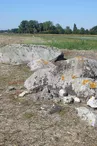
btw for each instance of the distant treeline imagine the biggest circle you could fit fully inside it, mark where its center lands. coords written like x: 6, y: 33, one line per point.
x: 48, y: 27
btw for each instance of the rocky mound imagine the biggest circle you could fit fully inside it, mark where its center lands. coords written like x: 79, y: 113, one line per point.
x: 72, y: 80
x: 78, y: 76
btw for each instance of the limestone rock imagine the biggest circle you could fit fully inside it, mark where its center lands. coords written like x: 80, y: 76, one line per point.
x: 81, y: 87
x: 67, y: 99
x: 62, y: 93
x: 77, y: 67
x: 24, y: 53
x: 40, y: 64
x: 39, y: 79
x: 23, y: 93
x: 92, y: 102
x: 77, y: 76
x: 76, y: 99
x: 87, y: 115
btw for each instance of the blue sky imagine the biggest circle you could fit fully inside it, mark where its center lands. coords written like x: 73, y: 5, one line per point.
x: 65, y: 12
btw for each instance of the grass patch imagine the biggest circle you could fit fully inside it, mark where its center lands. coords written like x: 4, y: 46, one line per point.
x: 79, y: 42
x: 75, y: 44
x: 28, y: 115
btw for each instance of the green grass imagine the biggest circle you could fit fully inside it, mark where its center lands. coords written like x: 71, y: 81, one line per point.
x: 79, y: 42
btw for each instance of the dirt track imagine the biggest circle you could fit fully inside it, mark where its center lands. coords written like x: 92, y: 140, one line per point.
x: 23, y: 123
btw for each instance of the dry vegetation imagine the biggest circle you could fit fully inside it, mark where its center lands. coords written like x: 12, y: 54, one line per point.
x: 7, y: 39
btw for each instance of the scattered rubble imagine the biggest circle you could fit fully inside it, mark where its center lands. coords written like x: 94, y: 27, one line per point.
x: 62, y: 93
x: 23, y: 93
x: 67, y: 99
x: 76, y: 99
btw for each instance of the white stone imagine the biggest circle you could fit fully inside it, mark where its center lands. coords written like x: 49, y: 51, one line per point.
x: 76, y: 99
x: 62, y: 92
x: 87, y: 115
x: 23, y: 93
x: 92, y: 102
x: 67, y: 99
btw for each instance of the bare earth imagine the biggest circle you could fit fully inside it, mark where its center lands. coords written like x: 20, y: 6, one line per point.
x: 24, y: 123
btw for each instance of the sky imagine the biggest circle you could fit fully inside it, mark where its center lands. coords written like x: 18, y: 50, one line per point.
x: 65, y: 12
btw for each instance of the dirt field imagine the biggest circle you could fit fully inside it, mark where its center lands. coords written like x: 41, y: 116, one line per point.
x: 24, y: 123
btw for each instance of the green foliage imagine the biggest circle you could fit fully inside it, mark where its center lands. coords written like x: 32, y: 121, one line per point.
x: 68, y: 30
x: 33, y: 26
x: 93, y: 30
x: 79, y: 42
x: 82, y: 31
x: 14, y: 30
x: 59, y: 29
x: 48, y: 27
x: 24, y: 27
x: 75, y: 30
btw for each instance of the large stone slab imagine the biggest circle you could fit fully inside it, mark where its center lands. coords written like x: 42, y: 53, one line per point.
x: 23, y: 53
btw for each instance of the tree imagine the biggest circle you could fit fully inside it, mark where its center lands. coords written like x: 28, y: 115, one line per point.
x: 33, y: 26
x: 47, y: 25
x: 14, y: 30
x: 68, y: 30
x: 53, y: 30
x: 75, y: 30
x: 82, y: 30
x: 86, y: 31
x: 59, y: 29
x: 24, y: 27
x: 40, y: 27
x: 93, y: 30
